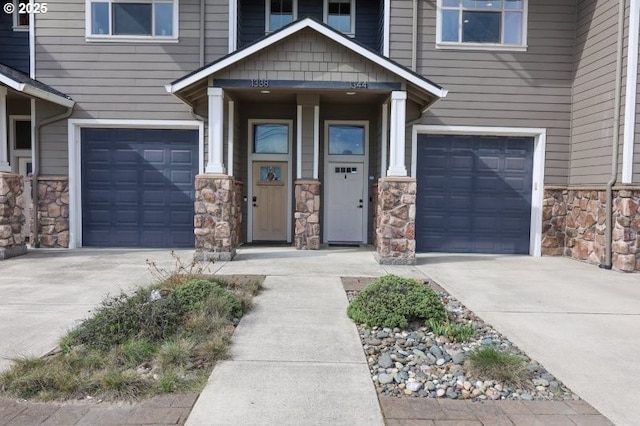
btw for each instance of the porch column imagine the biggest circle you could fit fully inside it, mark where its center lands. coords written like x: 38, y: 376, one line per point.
x: 4, y: 154
x: 398, y: 123
x: 216, y: 130
x: 307, y: 185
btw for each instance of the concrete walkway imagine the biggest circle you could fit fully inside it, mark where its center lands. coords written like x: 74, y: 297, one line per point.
x: 296, y: 358
x: 579, y: 321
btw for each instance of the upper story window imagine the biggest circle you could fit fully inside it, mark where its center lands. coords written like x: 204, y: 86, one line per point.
x: 132, y: 19
x: 20, y: 18
x: 482, y: 24
x: 341, y: 15
x: 280, y: 13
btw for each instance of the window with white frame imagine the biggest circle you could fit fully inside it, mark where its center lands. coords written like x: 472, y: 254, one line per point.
x: 482, y: 23
x: 279, y: 13
x: 132, y: 19
x: 20, y: 20
x: 340, y: 15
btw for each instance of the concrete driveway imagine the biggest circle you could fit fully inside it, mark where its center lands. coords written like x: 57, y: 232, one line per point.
x: 44, y: 293
x: 579, y: 321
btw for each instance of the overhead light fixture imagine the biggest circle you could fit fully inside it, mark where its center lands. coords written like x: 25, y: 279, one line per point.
x: 265, y: 91
x: 351, y: 93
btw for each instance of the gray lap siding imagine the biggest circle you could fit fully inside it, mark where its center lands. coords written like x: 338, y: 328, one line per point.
x: 117, y: 80
x: 529, y: 89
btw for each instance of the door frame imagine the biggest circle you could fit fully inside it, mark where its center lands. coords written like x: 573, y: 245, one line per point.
x: 347, y: 159
x: 539, y: 136
x: 74, y: 139
x: 251, y: 157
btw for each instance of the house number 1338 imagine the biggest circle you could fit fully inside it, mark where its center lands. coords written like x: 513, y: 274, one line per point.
x: 259, y: 83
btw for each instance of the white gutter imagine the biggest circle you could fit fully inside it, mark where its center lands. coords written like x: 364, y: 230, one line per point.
x: 36, y: 92
x: 631, y: 92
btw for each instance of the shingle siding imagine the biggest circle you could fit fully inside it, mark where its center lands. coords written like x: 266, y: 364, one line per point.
x: 501, y: 89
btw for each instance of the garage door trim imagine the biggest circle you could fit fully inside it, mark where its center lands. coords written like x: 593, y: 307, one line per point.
x: 74, y: 154
x: 539, y: 136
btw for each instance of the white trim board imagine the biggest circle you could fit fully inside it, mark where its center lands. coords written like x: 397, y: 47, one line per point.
x: 74, y: 128
x: 292, y: 29
x: 30, y: 90
x: 539, y: 136
x: 251, y: 157
x: 631, y: 93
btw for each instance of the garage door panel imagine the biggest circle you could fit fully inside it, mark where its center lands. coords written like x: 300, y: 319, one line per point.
x: 481, y: 201
x: 181, y: 157
x: 154, y: 156
x: 133, y: 194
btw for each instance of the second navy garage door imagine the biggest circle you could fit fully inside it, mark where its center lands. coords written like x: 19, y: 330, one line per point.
x: 138, y: 187
x: 473, y: 194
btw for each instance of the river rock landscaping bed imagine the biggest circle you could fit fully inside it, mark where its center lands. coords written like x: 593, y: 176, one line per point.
x: 415, y: 362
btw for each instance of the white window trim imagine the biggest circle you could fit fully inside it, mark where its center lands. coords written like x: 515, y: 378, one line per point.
x: 269, y: 157
x: 325, y: 18
x: 16, y: 26
x: 483, y: 46
x: 537, y: 187
x: 14, y: 153
x: 74, y: 138
x: 267, y: 15
x: 337, y: 158
x: 131, y: 38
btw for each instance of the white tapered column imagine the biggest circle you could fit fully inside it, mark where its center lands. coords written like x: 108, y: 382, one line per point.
x: 216, y: 130
x: 4, y: 154
x: 398, y: 123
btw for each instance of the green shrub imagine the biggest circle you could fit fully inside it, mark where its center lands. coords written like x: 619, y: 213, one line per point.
x: 200, y: 295
x: 491, y: 363
x: 392, y: 301
x: 123, y: 317
x: 134, y: 351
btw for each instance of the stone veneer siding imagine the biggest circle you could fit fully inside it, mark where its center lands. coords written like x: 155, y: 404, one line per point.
x: 218, y: 216
x: 307, y: 215
x: 574, y: 225
x: 395, y: 221
x: 53, y: 212
x: 374, y: 213
x: 12, y: 217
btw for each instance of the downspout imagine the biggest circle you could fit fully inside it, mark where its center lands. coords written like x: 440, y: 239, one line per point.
x: 202, y: 23
x: 414, y: 37
x: 616, y: 139
x: 36, y: 172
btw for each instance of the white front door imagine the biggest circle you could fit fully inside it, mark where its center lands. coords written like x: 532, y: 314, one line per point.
x: 345, y: 203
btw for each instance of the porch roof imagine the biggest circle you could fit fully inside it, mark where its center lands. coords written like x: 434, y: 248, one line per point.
x: 424, y: 88
x: 20, y: 82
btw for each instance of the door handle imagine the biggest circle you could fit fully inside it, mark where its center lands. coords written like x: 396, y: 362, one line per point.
x: 360, y: 206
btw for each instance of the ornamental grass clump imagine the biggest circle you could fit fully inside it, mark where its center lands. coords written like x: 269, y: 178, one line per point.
x: 392, y: 301
x: 491, y: 363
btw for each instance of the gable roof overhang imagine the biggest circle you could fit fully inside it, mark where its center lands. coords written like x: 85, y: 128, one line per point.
x: 421, y: 90
x: 20, y: 82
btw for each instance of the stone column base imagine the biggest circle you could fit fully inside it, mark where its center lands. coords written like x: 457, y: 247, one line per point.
x: 12, y: 218
x: 307, y: 215
x: 395, y: 221
x: 53, y: 211
x: 218, y: 216
x: 574, y: 225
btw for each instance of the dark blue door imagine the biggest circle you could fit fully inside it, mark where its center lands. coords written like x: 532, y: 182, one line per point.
x: 138, y: 187
x: 473, y: 194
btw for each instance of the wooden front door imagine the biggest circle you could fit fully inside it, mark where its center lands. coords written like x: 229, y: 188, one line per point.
x: 269, y: 202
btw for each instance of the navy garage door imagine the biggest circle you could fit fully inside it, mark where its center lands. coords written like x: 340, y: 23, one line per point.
x: 473, y: 194
x: 138, y: 187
